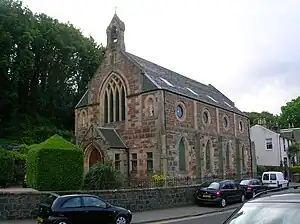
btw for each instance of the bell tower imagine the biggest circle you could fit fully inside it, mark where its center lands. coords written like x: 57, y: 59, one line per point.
x: 115, y: 34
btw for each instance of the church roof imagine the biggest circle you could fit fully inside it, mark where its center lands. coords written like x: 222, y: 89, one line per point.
x: 162, y: 78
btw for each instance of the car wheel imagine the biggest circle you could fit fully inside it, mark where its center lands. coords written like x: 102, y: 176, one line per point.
x: 242, y: 198
x: 63, y: 222
x: 121, y: 220
x: 223, y: 203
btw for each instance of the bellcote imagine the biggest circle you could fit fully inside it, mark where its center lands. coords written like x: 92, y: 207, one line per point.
x: 115, y: 34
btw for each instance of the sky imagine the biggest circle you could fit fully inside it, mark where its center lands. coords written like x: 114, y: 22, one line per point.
x: 249, y: 50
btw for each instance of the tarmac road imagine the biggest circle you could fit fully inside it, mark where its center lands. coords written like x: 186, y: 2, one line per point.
x: 216, y: 218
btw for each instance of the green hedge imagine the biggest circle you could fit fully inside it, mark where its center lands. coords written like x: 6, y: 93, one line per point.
x: 295, y: 169
x: 6, y: 167
x: 55, y: 165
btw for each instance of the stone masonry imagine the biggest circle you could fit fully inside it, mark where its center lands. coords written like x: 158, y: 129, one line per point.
x: 129, y: 117
x: 23, y: 205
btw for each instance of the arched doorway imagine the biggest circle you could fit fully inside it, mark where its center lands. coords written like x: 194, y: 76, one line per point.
x: 95, y: 157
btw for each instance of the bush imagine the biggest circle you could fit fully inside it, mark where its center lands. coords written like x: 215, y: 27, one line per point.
x: 54, y: 165
x: 102, y: 177
x: 19, y: 166
x: 295, y: 169
x: 158, y: 180
x: 6, y: 168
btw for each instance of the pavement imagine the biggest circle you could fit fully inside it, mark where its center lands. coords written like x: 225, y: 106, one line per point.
x: 180, y: 215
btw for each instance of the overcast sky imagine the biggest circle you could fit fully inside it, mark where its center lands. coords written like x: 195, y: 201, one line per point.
x: 248, y: 49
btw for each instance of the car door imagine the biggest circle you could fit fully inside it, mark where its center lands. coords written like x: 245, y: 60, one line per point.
x: 257, y: 186
x: 236, y: 191
x: 226, y: 191
x: 72, y: 209
x: 98, y: 210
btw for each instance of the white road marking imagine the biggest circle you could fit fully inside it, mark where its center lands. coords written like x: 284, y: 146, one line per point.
x: 192, y: 217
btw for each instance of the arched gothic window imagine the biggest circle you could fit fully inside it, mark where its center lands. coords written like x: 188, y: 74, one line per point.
x: 114, y: 100
x: 243, y: 158
x: 182, y: 162
x: 207, y: 156
x: 227, y: 156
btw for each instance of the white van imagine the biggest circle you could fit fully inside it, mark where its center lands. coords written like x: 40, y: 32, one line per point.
x: 274, y: 179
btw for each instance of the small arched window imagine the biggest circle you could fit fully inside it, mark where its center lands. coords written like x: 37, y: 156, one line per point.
x: 208, y: 156
x: 227, y: 155
x: 114, y: 100
x: 182, y: 162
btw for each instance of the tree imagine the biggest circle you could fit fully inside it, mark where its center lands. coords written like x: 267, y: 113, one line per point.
x: 265, y: 118
x: 45, y: 66
x: 290, y: 114
x: 293, y: 150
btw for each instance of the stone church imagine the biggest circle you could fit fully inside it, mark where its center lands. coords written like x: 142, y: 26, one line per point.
x: 146, y: 119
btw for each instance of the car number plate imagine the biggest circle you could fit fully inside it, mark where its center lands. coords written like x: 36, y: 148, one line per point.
x: 40, y: 220
x: 206, y: 196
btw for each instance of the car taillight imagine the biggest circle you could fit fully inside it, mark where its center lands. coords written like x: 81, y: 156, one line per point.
x: 249, y: 188
x: 218, y: 194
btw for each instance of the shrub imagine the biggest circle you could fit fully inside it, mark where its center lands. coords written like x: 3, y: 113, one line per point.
x: 158, y: 180
x: 19, y: 166
x: 295, y: 169
x: 54, y: 165
x: 6, y: 168
x: 102, y: 177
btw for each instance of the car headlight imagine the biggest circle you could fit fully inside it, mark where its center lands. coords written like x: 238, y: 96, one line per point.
x: 129, y: 211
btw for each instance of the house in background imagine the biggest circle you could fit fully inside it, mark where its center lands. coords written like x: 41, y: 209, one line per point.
x: 294, y: 134
x: 271, y: 147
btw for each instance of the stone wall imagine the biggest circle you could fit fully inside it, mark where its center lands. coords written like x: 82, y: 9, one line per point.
x: 23, y: 205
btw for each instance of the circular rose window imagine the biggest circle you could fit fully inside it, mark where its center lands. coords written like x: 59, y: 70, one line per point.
x: 179, y: 111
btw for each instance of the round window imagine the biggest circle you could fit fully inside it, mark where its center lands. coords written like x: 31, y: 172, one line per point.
x: 225, y: 123
x: 206, y: 117
x: 179, y: 111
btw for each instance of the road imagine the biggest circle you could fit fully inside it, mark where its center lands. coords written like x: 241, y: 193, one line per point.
x: 216, y: 218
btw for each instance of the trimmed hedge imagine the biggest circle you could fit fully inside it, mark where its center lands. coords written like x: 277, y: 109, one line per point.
x: 7, y: 165
x: 54, y: 165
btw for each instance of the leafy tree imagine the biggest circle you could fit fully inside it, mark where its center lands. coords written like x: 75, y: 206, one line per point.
x: 264, y: 118
x: 293, y: 150
x: 45, y: 66
x: 290, y: 114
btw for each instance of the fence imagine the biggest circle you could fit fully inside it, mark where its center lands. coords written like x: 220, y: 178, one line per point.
x: 176, y: 181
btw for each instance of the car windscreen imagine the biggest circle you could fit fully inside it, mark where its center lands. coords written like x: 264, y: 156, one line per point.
x: 244, y: 182
x: 214, y: 185
x: 266, y: 176
x: 267, y: 213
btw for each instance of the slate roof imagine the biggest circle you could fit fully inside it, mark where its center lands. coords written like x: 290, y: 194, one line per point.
x: 158, y: 77
x: 113, y: 137
x: 83, y: 101
x: 166, y: 79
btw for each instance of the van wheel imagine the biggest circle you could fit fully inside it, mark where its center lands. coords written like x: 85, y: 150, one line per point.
x: 280, y: 187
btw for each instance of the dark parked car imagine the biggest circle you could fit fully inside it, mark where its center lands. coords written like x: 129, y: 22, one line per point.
x: 251, y: 187
x: 220, y: 193
x: 80, y: 208
x: 275, y: 209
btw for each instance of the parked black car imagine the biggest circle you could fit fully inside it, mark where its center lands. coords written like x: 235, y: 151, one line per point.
x: 280, y: 208
x: 80, y: 208
x: 219, y: 192
x: 251, y: 187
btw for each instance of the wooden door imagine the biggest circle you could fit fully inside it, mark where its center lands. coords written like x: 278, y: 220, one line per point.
x: 95, y: 157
